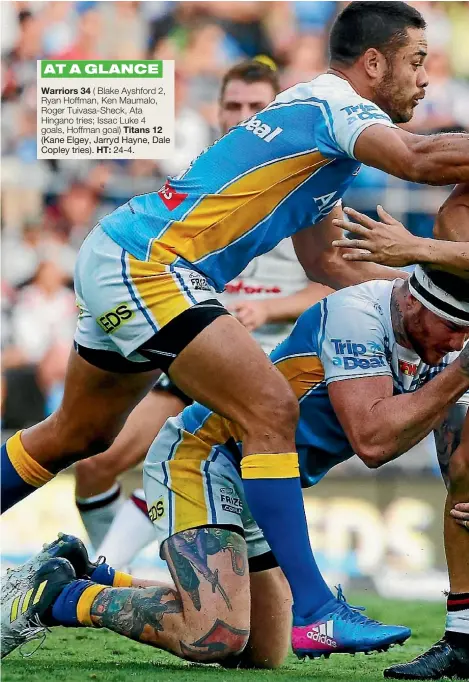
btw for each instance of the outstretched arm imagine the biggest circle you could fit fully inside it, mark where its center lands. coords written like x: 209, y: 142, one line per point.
x: 389, y: 243
x: 431, y: 159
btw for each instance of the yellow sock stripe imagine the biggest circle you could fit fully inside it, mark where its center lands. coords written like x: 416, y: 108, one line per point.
x: 26, y: 600
x: 122, y: 579
x: 85, y: 603
x: 14, y: 608
x: 39, y: 592
x: 284, y: 465
x: 30, y: 471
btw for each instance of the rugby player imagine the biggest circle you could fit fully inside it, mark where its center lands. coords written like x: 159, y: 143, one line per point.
x: 271, y: 292
x: 374, y: 367
x: 147, y: 275
x: 389, y: 242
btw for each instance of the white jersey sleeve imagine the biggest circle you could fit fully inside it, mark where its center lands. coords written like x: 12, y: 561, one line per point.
x: 347, y: 114
x: 354, y: 341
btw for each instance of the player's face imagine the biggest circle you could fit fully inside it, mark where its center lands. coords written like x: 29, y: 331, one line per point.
x: 404, y: 82
x: 432, y: 337
x: 242, y: 100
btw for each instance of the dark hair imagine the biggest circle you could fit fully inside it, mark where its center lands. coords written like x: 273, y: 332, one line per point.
x: 453, y: 284
x: 361, y: 25
x: 253, y: 71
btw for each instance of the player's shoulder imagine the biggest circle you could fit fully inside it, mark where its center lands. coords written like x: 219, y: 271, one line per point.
x: 369, y: 300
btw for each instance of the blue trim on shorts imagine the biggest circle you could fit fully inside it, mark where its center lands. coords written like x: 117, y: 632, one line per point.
x: 166, y: 477
x: 181, y: 281
x: 209, y: 486
x: 133, y: 296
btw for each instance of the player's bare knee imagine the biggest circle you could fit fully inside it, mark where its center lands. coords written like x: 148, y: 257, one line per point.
x: 277, y: 411
x: 458, y: 473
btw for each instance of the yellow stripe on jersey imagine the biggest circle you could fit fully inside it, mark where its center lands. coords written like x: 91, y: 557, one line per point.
x: 302, y: 372
x: 220, y: 219
x: 187, y: 482
x: 158, y: 290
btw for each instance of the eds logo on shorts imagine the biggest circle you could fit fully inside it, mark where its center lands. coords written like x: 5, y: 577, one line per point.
x: 157, y: 510
x: 230, y: 502
x: 348, y: 354
x: 115, y: 318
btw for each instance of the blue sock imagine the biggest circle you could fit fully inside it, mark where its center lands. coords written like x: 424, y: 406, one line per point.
x: 103, y: 575
x: 277, y: 506
x: 64, y: 610
x: 14, y: 488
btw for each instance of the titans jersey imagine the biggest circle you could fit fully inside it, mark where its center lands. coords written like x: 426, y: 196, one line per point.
x: 269, y: 177
x: 347, y: 335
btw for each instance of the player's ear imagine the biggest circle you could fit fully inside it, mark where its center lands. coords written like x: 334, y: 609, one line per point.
x: 374, y: 63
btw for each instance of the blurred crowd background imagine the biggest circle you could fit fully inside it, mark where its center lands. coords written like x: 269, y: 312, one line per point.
x: 48, y: 207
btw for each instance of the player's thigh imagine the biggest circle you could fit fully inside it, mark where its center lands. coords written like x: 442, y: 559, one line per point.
x: 210, y: 570
x: 226, y: 370
x: 271, y: 619
x: 94, y: 407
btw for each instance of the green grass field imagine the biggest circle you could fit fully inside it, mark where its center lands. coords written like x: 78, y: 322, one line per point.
x: 81, y: 655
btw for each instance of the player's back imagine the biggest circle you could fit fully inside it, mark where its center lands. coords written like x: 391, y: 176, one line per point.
x: 274, y: 174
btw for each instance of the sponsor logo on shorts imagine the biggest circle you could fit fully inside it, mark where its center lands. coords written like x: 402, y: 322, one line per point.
x: 230, y: 502
x: 157, y: 510
x: 170, y: 197
x: 81, y: 310
x: 198, y: 282
x: 262, y: 130
x: 349, y: 354
x: 115, y: 318
x: 407, y: 368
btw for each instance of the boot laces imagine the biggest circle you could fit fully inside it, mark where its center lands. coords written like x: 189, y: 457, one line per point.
x: 34, y: 630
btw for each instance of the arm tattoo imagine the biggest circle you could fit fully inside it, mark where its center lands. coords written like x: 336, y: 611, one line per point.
x: 189, y: 552
x: 397, y: 319
x: 215, y: 641
x: 135, y: 612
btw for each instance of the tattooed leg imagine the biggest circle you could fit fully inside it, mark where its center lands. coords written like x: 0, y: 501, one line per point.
x: 206, y: 618
x: 452, y: 441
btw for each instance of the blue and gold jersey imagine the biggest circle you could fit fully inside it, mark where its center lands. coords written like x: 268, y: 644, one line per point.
x: 269, y: 177
x: 347, y: 335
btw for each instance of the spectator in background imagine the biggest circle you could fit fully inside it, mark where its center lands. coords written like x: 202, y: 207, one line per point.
x: 89, y: 31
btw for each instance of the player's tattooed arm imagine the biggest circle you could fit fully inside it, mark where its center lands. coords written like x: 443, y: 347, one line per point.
x: 464, y: 359
x: 135, y: 612
x: 189, y: 552
x: 397, y: 317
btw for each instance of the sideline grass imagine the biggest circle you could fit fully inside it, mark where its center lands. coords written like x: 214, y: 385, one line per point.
x: 80, y: 655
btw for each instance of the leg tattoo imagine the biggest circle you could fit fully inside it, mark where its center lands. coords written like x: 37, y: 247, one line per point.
x: 220, y: 638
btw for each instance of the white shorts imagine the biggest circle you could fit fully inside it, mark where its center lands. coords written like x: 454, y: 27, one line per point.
x: 123, y: 302
x: 189, y: 484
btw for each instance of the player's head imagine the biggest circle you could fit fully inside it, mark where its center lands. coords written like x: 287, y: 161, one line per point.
x: 385, y: 44
x: 246, y: 89
x: 436, y: 313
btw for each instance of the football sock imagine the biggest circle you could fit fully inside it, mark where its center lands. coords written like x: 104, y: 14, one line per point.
x: 72, y: 606
x: 457, y: 619
x: 98, y: 512
x: 130, y: 532
x: 21, y: 474
x: 273, y: 492
x: 105, y: 574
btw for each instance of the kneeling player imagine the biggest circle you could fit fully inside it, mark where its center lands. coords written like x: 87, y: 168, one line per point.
x: 347, y: 361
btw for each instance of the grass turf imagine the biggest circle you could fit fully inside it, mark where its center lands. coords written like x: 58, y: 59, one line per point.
x: 79, y: 655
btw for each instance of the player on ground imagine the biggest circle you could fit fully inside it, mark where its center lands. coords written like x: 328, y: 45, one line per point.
x: 374, y: 371
x: 271, y: 292
x: 389, y: 242
x: 147, y: 275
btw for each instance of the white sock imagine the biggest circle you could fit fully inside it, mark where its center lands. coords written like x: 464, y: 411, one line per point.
x: 458, y: 621
x: 130, y: 532
x: 98, y: 512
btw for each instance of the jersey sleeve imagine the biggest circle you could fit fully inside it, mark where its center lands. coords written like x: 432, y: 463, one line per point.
x: 344, y: 119
x: 353, y: 343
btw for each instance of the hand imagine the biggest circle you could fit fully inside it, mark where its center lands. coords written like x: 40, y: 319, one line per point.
x: 251, y: 314
x: 460, y: 513
x: 387, y: 242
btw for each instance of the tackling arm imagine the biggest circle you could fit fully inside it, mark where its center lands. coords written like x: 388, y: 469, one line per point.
x: 380, y: 426
x: 431, y: 159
